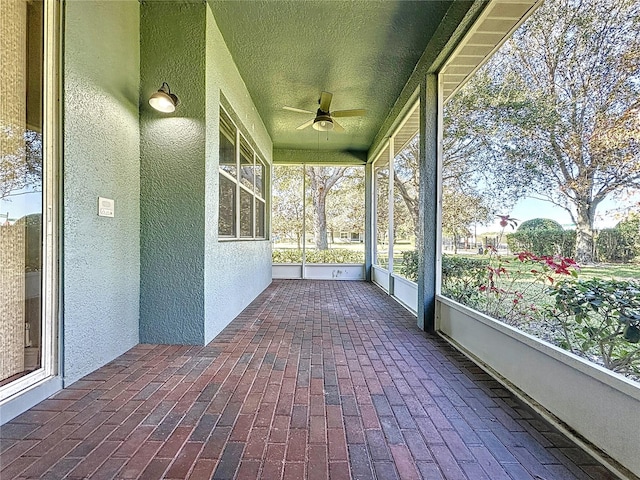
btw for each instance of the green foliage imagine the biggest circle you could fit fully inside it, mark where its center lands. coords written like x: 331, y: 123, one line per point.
x: 543, y: 242
x: 620, y: 244
x: 286, y: 255
x: 539, y: 224
x: 460, y: 211
x: 613, y: 246
x: 630, y: 226
x: 462, y: 277
x: 571, y: 72
x: 337, y: 255
x: 409, y: 268
x: 600, y: 317
x: 514, y: 287
x: 33, y: 233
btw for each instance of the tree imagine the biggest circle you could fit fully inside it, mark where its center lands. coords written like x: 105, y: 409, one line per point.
x: 563, y: 99
x: 21, y: 162
x: 345, y: 205
x: 321, y: 181
x: 406, y: 182
x: 462, y: 202
x: 459, y: 212
x: 287, y: 204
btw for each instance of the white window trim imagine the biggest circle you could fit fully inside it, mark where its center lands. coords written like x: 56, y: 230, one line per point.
x: 241, y: 139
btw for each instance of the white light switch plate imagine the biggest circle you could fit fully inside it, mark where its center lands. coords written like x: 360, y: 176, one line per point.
x: 106, y: 207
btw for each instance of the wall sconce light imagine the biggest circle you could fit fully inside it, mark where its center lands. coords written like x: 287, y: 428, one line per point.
x: 163, y: 100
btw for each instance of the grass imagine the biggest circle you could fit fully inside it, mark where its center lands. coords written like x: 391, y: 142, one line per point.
x: 605, y: 271
x: 608, y: 271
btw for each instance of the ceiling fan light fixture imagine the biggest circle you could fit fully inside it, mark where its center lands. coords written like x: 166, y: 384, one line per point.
x: 323, y: 123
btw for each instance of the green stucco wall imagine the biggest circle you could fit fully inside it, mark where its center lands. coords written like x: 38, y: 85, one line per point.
x: 172, y: 173
x: 101, y: 262
x: 235, y: 272
x: 191, y: 285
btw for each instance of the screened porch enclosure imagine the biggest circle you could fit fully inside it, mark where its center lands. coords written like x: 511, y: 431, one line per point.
x: 268, y: 298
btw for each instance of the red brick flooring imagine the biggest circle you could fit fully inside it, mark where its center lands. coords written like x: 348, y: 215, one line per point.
x: 313, y: 380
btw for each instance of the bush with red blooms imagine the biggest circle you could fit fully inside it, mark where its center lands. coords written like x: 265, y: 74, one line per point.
x: 516, y: 286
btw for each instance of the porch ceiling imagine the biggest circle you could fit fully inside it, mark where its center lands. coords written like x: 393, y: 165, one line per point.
x: 362, y: 51
x: 367, y: 53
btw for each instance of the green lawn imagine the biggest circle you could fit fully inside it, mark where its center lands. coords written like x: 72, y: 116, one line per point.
x: 608, y: 271
x: 605, y: 271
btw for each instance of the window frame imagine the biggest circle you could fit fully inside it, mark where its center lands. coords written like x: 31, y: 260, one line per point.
x: 243, y: 151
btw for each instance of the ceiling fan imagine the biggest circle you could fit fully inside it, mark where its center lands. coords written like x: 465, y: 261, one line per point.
x: 324, y: 118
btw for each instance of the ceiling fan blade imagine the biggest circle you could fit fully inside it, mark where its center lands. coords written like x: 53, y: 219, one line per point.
x: 337, y: 127
x: 298, y: 110
x: 349, y: 113
x: 325, y: 101
x: 306, y: 124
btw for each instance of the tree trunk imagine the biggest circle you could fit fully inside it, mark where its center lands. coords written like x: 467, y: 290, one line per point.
x: 584, y: 233
x: 320, y: 234
x: 320, y: 187
x: 455, y: 244
x: 412, y: 205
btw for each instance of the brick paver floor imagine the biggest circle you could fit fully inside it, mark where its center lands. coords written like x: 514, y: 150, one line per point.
x: 313, y: 380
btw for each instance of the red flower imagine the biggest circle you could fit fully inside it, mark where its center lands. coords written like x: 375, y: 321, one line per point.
x: 506, y: 220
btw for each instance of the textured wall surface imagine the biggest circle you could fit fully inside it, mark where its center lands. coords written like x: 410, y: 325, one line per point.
x: 192, y: 286
x: 101, y: 261
x: 172, y: 175
x: 236, y: 272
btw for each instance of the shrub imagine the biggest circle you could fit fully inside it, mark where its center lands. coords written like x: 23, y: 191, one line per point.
x: 409, y: 267
x: 620, y: 244
x: 337, y: 255
x: 286, y: 255
x: 543, y: 242
x: 613, y: 246
x: 462, y: 277
x: 514, y: 288
x: 600, y: 318
x: 540, y: 224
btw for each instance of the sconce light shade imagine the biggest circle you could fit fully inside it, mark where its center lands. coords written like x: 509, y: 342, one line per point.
x: 163, y: 100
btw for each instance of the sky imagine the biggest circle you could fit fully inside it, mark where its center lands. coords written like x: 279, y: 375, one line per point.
x: 528, y: 208
x: 17, y: 206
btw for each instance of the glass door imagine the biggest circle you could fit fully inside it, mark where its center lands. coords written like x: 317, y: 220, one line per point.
x: 26, y: 193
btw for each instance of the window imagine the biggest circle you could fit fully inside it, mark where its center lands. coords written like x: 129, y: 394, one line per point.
x: 242, y: 188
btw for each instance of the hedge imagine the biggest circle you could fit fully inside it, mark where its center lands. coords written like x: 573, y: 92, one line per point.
x: 336, y: 255
x: 543, y: 242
